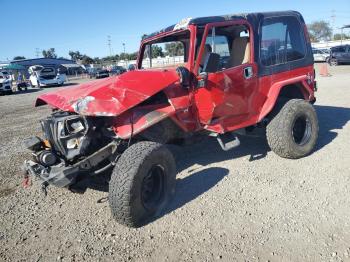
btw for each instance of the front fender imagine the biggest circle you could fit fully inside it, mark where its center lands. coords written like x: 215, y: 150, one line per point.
x: 138, y: 119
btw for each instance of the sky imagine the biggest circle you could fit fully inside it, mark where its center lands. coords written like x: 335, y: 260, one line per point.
x: 84, y: 25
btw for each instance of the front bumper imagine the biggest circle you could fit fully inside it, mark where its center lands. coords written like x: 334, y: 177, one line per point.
x: 61, y: 175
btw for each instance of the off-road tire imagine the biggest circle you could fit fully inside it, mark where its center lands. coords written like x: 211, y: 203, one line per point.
x: 126, y: 195
x: 280, y: 131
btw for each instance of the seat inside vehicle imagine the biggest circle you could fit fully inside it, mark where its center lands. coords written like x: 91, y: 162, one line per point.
x: 240, y: 51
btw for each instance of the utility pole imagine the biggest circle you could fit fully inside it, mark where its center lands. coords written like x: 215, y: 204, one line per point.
x: 126, y: 63
x: 109, y: 44
x: 333, y: 16
x: 37, y: 52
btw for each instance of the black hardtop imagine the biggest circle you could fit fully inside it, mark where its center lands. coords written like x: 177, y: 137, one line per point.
x: 252, y: 18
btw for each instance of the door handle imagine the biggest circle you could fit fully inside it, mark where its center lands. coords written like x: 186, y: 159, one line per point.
x: 248, y: 72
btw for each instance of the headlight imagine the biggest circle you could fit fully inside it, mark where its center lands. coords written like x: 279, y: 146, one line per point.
x: 75, y: 126
x: 73, y: 143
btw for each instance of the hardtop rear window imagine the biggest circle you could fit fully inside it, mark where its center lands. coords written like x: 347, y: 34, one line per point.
x: 282, y: 40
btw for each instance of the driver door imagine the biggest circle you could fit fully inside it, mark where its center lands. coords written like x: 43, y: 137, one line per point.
x: 224, y: 98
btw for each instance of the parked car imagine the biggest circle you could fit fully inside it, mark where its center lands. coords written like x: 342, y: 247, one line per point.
x: 5, y: 83
x: 101, y: 73
x: 339, y: 54
x: 117, y: 70
x: 131, y: 67
x: 127, y: 123
x: 320, y: 56
x: 45, y: 76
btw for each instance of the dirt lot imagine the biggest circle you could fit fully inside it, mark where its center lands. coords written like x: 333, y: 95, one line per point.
x: 247, y: 204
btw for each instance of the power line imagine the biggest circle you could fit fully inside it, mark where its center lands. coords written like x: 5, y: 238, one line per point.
x: 333, y: 16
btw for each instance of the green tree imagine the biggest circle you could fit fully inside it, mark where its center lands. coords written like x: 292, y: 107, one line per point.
x: 339, y: 36
x: 49, y: 53
x: 87, y: 60
x: 319, y: 30
x: 157, y: 51
x: 19, y: 57
x: 133, y: 56
x: 75, y: 55
x: 174, y: 49
x: 97, y: 60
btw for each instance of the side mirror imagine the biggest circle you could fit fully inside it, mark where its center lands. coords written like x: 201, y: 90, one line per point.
x: 212, y: 63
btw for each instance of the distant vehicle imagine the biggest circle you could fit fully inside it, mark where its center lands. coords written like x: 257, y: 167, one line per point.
x: 91, y: 71
x: 339, y: 54
x: 131, y: 67
x: 102, y: 73
x: 45, y: 76
x: 320, y: 55
x: 117, y: 70
x: 5, y: 83
x: 7, y: 75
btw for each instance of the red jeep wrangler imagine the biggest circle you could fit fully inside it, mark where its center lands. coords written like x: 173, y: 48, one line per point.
x: 220, y: 76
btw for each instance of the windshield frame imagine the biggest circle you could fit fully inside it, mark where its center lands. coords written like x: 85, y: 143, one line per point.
x: 189, y: 64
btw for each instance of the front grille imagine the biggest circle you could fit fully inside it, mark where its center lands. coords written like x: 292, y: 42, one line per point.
x: 0, y: 84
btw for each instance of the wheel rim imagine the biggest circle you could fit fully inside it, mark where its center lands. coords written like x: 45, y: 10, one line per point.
x: 334, y: 62
x: 152, y: 192
x: 301, y: 130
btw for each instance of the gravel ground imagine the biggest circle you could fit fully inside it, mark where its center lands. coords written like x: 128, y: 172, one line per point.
x: 247, y: 204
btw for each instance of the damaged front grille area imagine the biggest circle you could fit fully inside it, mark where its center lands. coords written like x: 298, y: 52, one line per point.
x: 68, y: 134
x: 72, y: 145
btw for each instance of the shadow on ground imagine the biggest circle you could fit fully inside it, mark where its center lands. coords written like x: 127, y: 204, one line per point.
x: 194, y: 185
x: 330, y: 118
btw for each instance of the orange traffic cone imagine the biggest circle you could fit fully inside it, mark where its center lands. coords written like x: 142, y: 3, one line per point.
x: 324, y: 70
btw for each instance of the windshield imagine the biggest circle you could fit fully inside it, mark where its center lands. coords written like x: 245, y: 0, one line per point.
x: 168, y: 51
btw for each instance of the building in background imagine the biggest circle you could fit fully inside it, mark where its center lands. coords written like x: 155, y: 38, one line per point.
x: 55, y: 63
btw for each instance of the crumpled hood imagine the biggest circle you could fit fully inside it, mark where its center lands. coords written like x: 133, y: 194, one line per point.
x: 110, y: 96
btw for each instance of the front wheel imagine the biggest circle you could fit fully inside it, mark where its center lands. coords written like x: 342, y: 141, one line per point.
x: 142, y: 183
x: 293, y: 132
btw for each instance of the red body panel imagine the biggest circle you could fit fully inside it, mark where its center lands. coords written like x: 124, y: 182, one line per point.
x: 138, y: 119
x: 111, y: 96
x: 259, y: 100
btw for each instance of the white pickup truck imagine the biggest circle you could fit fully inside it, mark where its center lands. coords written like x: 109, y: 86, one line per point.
x: 5, y: 83
x: 45, y: 76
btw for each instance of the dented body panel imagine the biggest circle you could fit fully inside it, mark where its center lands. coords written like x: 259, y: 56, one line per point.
x: 111, y: 96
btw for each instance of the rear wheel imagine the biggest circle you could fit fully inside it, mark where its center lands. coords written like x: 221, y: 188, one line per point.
x: 333, y: 62
x: 142, y: 183
x: 293, y: 132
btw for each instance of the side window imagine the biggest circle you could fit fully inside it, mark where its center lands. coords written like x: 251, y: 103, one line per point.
x: 282, y: 40
x: 231, y: 43
x: 339, y: 49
